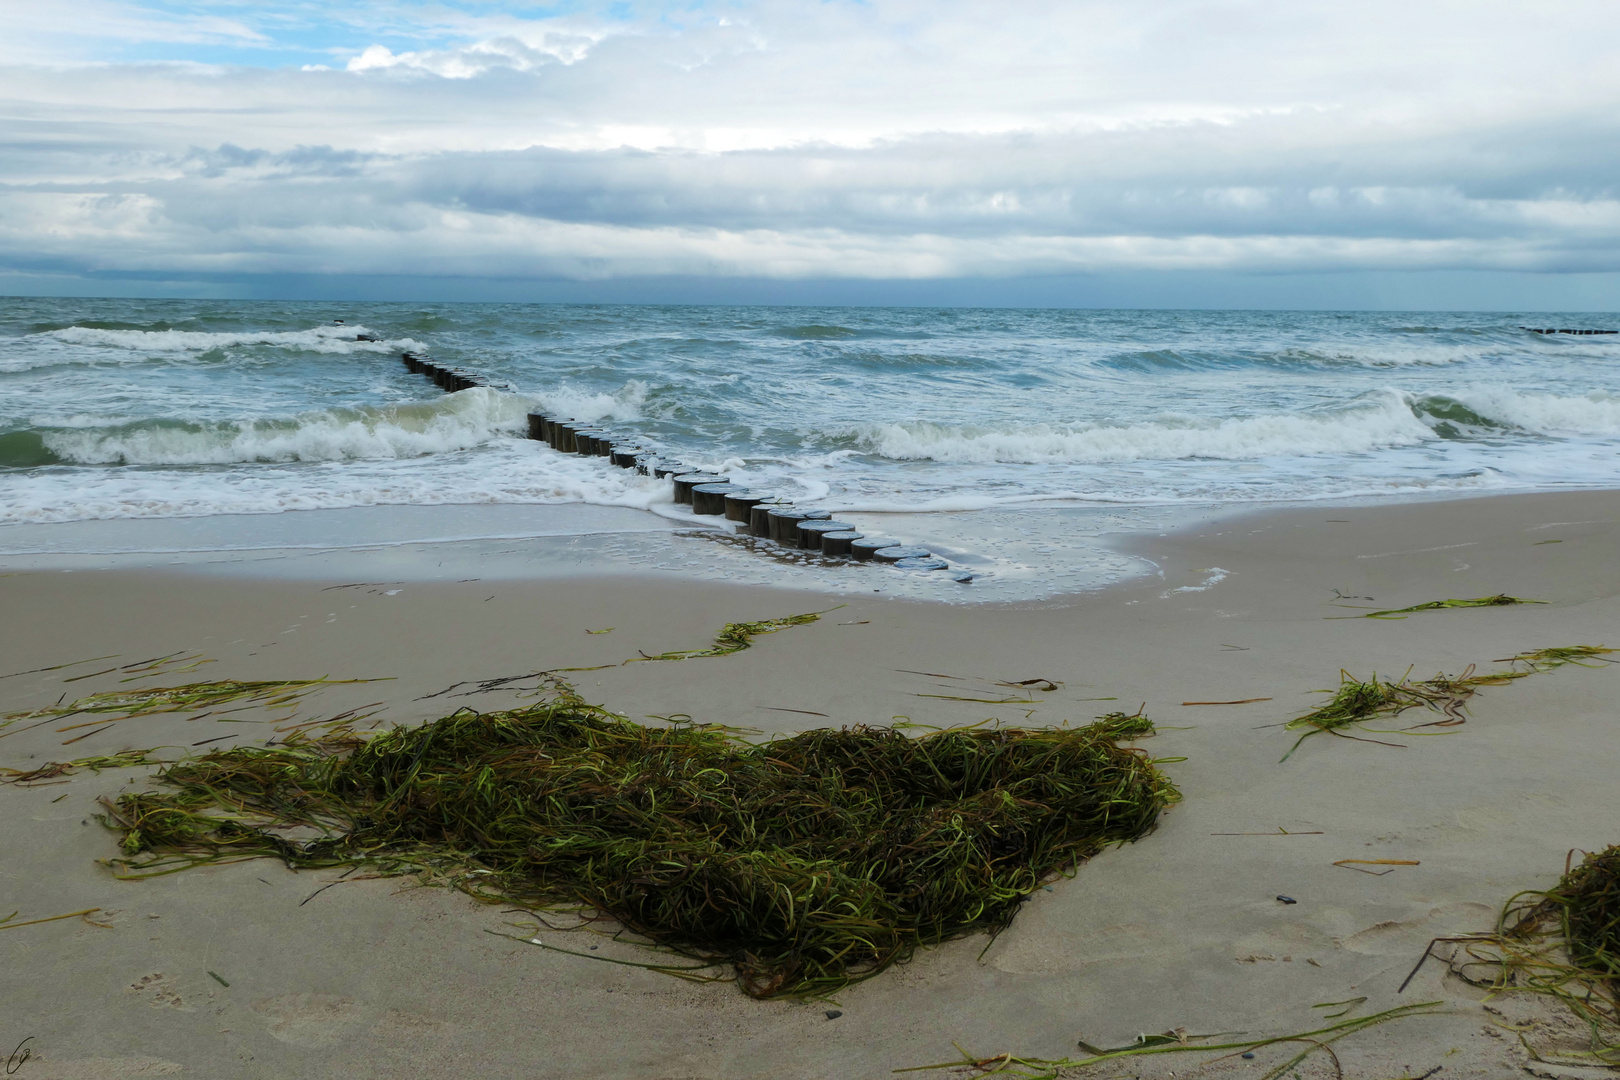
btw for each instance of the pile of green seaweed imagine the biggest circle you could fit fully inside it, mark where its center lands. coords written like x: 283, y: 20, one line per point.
x: 1590, y: 901
x: 1588, y: 898
x: 805, y: 862
x: 1562, y: 942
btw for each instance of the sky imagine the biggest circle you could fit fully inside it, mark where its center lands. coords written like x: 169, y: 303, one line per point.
x: 1456, y: 154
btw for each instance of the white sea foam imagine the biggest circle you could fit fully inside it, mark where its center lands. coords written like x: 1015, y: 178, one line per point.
x: 1214, y: 575
x: 505, y: 470
x: 1386, y: 421
x: 454, y: 422
x: 567, y: 401
x: 320, y: 339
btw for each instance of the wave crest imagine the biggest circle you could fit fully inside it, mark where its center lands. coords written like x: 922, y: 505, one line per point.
x: 454, y: 422
x: 319, y: 339
x: 624, y: 404
x: 1387, y: 422
x: 1382, y: 420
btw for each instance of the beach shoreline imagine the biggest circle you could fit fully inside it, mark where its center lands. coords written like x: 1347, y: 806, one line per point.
x: 1179, y: 930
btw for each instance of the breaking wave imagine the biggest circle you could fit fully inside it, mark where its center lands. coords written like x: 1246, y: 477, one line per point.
x: 454, y: 422
x: 72, y: 344
x: 503, y: 472
x: 1383, y: 420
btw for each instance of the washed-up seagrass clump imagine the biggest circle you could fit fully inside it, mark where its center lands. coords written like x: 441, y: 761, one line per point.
x: 805, y: 862
x: 1588, y: 902
x: 1563, y: 943
x: 1356, y: 702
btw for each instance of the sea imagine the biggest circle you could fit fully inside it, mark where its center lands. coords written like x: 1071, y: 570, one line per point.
x: 1012, y: 443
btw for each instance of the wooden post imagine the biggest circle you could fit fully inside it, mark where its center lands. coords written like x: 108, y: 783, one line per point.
x: 927, y: 562
x: 810, y: 532
x: 759, y: 517
x: 784, y: 523
x: 797, y: 537
x: 710, y: 499
x: 837, y: 542
x: 687, y: 481
x: 863, y: 548
x: 738, y: 503
x: 895, y: 554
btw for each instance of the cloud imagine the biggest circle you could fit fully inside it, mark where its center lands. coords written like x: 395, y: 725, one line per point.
x: 896, y: 139
x: 515, y: 52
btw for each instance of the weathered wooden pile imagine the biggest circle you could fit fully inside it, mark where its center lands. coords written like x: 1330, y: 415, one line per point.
x: 759, y: 514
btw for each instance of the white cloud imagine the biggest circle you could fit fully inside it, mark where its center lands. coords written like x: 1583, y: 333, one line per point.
x: 899, y: 138
x: 515, y: 52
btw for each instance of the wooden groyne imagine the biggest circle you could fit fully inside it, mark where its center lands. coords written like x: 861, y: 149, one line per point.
x: 770, y: 519
x: 1550, y: 330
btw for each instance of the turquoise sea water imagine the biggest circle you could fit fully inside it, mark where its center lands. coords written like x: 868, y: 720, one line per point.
x: 121, y: 409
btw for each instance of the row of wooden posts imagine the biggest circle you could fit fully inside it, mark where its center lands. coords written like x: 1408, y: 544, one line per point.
x: 758, y: 514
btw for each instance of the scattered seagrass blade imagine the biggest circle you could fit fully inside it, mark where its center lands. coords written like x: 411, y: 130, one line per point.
x: 1499, y: 600
x: 1355, y: 702
x: 735, y: 637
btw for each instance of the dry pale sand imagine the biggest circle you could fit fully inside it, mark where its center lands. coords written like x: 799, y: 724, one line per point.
x: 369, y: 979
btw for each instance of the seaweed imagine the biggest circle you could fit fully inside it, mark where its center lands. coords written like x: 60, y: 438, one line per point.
x: 1356, y: 701
x: 1562, y: 943
x: 1179, y: 1042
x: 7, y: 924
x: 203, y: 698
x: 124, y: 759
x: 804, y: 863
x: 1499, y: 600
x: 737, y: 636
x: 1547, y: 659
x: 733, y: 638
x: 1588, y: 902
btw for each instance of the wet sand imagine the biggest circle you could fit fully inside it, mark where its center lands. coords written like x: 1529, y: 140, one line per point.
x: 1180, y: 930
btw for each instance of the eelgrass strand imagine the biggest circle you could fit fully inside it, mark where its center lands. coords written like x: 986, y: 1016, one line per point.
x: 1319, y: 1039
x: 1355, y: 701
x: 804, y: 863
x: 1558, y: 656
x: 1562, y: 943
x: 189, y: 697
x: 124, y: 759
x: 735, y: 637
x: 1499, y: 600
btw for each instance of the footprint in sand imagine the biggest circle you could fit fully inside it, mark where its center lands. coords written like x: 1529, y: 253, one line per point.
x: 1401, y: 937
x: 312, y: 1020
x: 158, y: 991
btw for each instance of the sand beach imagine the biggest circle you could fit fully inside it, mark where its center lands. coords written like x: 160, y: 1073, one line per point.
x: 252, y: 970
